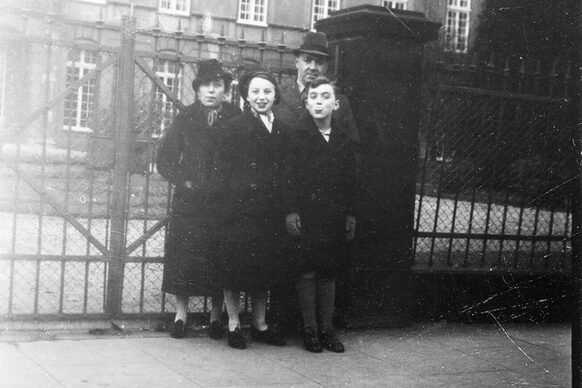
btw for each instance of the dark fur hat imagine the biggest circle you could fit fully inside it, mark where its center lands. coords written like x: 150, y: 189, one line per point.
x: 210, y: 70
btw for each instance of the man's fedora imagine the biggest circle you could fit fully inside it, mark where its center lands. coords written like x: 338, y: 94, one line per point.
x: 314, y: 43
x: 208, y: 71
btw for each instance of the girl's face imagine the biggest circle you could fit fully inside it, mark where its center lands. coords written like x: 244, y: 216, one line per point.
x: 261, y: 95
x: 212, y: 94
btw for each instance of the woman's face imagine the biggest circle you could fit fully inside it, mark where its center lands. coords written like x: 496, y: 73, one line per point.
x: 261, y: 95
x: 212, y: 93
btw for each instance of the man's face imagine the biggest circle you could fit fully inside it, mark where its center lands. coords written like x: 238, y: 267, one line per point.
x: 212, y: 93
x: 310, y: 66
x: 321, y: 101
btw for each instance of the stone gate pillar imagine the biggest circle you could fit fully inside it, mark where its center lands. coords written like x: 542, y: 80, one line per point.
x: 379, y: 58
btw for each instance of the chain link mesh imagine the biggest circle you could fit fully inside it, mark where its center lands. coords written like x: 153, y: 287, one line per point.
x: 496, y: 177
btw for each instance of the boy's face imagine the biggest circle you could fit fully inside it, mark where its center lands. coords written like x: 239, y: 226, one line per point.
x: 321, y: 101
x: 211, y: 94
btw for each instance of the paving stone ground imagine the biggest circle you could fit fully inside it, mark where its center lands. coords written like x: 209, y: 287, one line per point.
x: 422, y: 355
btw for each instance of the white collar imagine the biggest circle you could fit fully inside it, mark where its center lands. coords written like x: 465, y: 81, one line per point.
x: 325, y: 133
x: 266, y: 119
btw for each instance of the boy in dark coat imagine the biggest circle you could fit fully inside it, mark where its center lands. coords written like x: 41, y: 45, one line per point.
x: 325, y: 175
x: 186, y: 159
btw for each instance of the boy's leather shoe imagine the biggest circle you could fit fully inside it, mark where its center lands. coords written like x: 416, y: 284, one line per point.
x: 331, y: 342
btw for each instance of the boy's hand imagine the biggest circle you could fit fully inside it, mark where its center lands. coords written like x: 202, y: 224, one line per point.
x: 350, y: 227
x: 293, y: 223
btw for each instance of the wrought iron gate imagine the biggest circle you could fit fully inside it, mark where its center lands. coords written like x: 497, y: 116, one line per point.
x: 84, y: 212
x: 495, y: 177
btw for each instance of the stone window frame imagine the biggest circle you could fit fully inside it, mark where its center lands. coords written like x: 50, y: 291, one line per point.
x: 457, y: 23
x: 82, y: 101
x: 396, y: 4
x: 174, y: 7
x: 324, y: 5
x: 247, y: 12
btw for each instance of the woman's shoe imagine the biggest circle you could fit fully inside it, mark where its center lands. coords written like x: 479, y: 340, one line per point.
x: 311, y: 341
x: 236, y: 339
x: 331, y: 342
x: 269, y: 336
x: 179, y: 329
x: 215, y: 331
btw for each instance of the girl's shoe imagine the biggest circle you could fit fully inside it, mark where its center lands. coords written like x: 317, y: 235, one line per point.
x: 268, y: 336
x: 236, y: 339
x: 179, y: 329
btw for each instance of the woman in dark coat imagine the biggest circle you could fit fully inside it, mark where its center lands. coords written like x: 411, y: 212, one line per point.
x: 256, y: 200
x: 186, y: 159
x: 325, y: 175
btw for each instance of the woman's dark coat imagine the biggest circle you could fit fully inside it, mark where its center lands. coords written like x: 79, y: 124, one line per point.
x: 187, y: 153
x: 325, y: 186
x: 255, y: 197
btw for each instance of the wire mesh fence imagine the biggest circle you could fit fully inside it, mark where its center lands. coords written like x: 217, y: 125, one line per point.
x: 58, y: 160
x: 493, y: 188
x: 496, y: 174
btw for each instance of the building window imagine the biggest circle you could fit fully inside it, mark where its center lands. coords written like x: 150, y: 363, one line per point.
x: 457, y: 24
x: 170, y: 73
x: 94, y: 1
x: 80, y: 103
x: 322, y: 9
x: 253, y: 12
x: 395, y: 4
x: 3, y: 72
x: 175, y: 7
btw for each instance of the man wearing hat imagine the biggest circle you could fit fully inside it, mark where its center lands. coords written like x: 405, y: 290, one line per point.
x: 311, y: 60
x: 185, y: 158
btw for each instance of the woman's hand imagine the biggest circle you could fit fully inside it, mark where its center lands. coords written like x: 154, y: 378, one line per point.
x: 293, y: 223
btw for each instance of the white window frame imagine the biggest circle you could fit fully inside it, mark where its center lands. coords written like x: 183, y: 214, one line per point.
x: 94, y: 1
x: 84, y: 100
x: 168, y: 77
x: 326, y: 10
x: 457, y: 40
x: 3, y: 73
x: 397, y: 4
x: 252, y: 12
x: 171, y: 7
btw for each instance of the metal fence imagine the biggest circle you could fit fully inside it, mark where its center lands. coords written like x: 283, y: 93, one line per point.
x: 496, y: 170
x: 83, y: 218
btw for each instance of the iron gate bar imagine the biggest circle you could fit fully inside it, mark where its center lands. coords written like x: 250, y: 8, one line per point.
x: 493, y: 271
x: 42, y: 177
x: 146, y: 235
x: 506, y: 95
x: 57, y: 258
x: 470, y: 228
x: 146, y: 69
x: 487, y: 220
x: 123, y: 121
x: 75, y: 85
x: 519, y: 227
x: 482, y: 236
x: 62, y: 212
